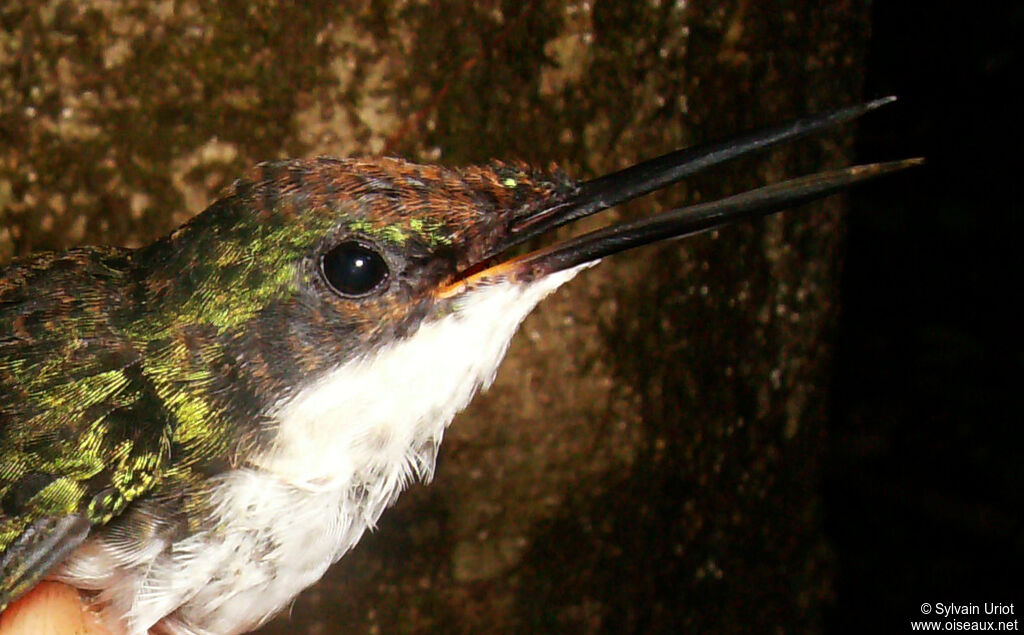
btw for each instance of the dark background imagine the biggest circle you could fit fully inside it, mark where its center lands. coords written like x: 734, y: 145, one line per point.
x: 924, y: 486
x: 651, y: 457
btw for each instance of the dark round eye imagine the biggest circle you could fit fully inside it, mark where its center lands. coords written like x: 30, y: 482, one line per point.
x: 353, y: 269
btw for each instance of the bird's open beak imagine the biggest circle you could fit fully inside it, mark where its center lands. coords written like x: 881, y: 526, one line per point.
x: 609, y: 190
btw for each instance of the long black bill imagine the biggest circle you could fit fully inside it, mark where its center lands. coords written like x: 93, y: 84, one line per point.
x: 604, y: 192
x: 687, y: 221
x: 646, y: 177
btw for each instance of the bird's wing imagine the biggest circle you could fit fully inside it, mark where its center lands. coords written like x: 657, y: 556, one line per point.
x: 81, y: 430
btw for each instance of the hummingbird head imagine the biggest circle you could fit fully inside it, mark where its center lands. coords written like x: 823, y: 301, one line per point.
x: 360, y: 303
x: 310, y: 264
x: 349, y: 301
x: 237, y: 402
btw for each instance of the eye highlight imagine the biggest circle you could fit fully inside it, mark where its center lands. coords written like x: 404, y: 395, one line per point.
x: 353, y: 270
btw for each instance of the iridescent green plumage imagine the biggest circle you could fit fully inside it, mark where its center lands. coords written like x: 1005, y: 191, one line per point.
x: 132, y: 373
x: 218, y: 416
x: 110, y: 365
x: 71, y: 390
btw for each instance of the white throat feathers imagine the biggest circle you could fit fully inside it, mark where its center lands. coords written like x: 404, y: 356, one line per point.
x: 347, y: 444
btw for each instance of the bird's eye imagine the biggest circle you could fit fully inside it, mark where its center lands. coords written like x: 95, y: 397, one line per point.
x: 353, y: 269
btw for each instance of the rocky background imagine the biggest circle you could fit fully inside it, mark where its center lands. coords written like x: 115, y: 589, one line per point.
x: 649, y: 458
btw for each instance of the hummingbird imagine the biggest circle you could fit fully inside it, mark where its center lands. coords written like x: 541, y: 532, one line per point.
x: 193, y: 431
